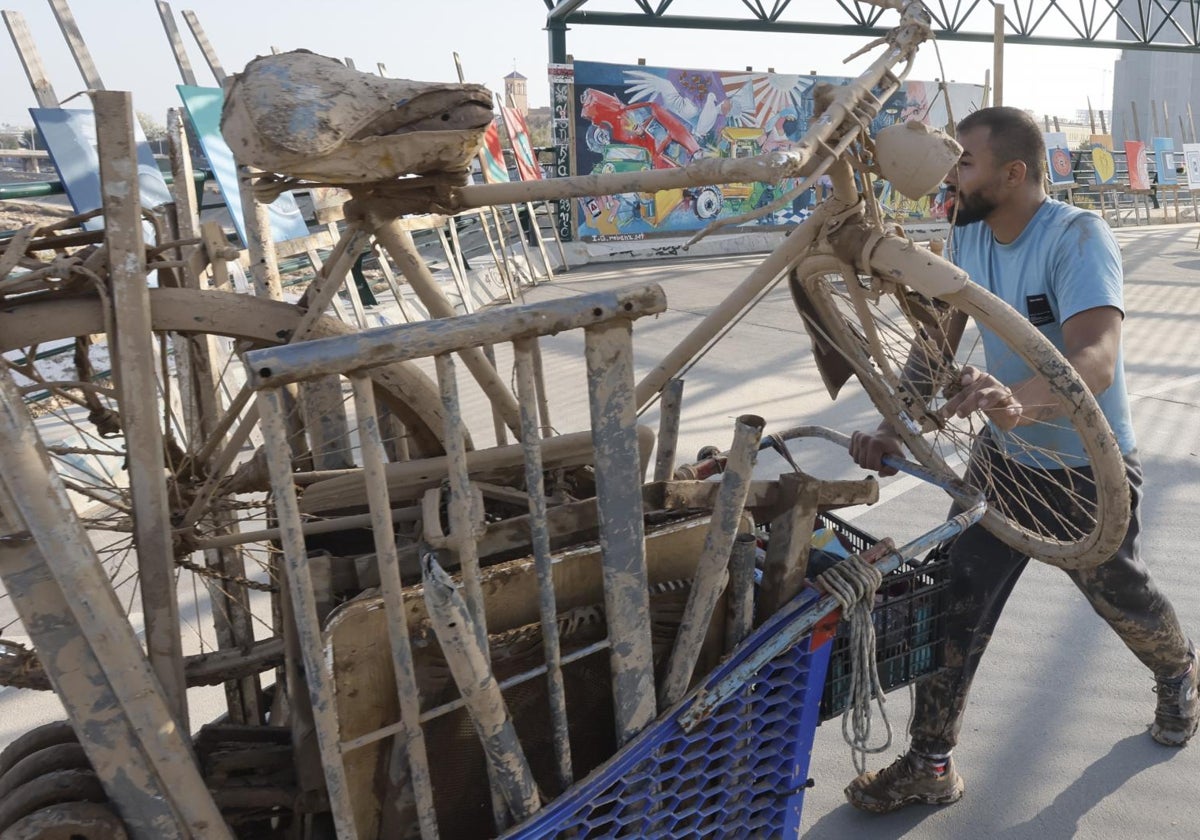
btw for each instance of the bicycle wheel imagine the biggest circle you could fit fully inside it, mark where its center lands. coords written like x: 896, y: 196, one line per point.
x: 1065, y: 510
x: 78, y: 418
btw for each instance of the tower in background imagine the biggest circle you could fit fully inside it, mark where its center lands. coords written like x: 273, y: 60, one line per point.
x: 514, y: 93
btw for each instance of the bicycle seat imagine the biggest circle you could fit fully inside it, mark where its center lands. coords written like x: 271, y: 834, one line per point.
x: 308, y: 116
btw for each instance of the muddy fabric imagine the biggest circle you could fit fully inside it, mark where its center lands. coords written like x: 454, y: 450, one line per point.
x: 983, y: 572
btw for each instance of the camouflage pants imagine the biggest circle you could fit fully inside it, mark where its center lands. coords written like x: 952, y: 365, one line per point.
x: 983, y: 573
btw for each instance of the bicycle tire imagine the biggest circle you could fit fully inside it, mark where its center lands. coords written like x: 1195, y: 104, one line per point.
x: 1074, y: 545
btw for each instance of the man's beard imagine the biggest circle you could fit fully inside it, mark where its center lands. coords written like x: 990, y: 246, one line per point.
x: 971, y: 208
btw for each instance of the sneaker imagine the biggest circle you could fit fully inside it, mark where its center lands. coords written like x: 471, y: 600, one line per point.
x: 909, y: 780
x: 1178, y: 712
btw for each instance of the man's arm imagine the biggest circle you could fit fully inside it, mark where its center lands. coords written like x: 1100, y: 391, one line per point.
x: 869, y: 449
x: 1092, y: 339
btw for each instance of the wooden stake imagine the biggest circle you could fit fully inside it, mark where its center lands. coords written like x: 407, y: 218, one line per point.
x: 31, y: 61
x: 210, y: 55
x: 181, y: 56
x: 79, y: 50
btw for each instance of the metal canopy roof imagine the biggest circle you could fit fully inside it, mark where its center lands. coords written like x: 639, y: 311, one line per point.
x: 1170, y: 25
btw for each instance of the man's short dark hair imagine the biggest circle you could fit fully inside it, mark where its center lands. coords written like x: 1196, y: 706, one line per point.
x: 1012, y: 135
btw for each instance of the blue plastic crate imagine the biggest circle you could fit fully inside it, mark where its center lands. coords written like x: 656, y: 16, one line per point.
x: 742, y: 772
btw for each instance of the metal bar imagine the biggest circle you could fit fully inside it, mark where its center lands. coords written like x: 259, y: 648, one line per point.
x: 541, y: 242
x: 181, y: 56
x: 321, y: 526
x: 317, y: 673
x: 458, y: 703
x: 543, y: 402
x: 499, y: 259
x: 75, y: 42
x: 461, y: 513
x: 399, y: 244
x: 712, y: 569
x: 543, y: 561
x: 137, y: 386
x: 87, y: 645
x: 404, y: 670
x: 489, y: 353
x: 274, y: 366
x: 668, y: 430
x: 452, y: 248
x: 817, y: 28
x: 206, y: 47
x: 740, y: 600
x: 998, y: 56
x: 609, y: 355
x: 458, y: 633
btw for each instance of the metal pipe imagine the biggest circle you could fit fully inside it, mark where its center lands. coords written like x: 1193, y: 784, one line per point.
x: 407, y: 688
x: 399, y: 244
x: 668, y: 430
x: 317, y: 673
x: 712, y: 569
x: 543, y: 561
x: 463, y: 523
x: 740, y: 610
x: 274, y: 366
x: 458, y: 635
x: 539, y: 379
x: 609, y: 355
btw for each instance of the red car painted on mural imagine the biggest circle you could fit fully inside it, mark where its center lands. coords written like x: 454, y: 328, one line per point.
x: 649, y: 125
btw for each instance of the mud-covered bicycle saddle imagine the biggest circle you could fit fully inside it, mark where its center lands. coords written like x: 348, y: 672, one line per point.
x: 310, y: 117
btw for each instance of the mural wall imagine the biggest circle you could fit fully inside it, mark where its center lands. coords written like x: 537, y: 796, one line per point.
x: 631, y: 118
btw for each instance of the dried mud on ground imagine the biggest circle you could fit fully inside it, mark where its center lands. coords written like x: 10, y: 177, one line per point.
x: 15, y: 215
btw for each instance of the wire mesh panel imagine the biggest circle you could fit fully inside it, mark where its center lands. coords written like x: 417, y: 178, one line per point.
x: 742, y: 772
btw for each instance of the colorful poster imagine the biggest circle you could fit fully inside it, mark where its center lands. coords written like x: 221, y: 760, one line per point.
x: 70, y: 138
x: 1191, y: 165
x: 203, y: 106
x: 518, y: 138
x: 634, y: 118
x: 491, y: 156
x: 1164, y: 160
x: 1104, y: 165
x: 1058, y: 158
x: 1139, y: 167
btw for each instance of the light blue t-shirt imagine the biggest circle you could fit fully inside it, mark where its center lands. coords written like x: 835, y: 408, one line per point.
x: 1065, y: 261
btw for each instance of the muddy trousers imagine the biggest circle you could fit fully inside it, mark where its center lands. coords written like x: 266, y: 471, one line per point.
x: 984, y: 570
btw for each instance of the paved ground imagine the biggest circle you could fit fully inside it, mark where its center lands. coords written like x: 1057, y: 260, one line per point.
x: 1055, y: 742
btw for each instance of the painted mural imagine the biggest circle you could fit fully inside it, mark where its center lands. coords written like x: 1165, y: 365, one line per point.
x: 632, y: 118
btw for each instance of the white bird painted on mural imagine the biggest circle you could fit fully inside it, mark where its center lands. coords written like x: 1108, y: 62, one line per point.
x: 644, y: 86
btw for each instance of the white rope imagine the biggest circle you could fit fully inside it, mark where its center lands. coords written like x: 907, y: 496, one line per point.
x: 853, y: 583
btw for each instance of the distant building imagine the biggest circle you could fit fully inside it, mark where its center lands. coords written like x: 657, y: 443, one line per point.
x: 1160, y: 84
x: 514, y: 92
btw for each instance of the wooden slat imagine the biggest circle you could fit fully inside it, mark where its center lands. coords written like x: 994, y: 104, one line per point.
x: 43, y: 91
x: 181, y: 56
x: 206, y: 47
x: 137, y: 386
x: 79, y: 50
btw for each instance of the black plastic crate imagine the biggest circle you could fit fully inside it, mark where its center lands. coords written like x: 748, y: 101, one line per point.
x: 910, y: 623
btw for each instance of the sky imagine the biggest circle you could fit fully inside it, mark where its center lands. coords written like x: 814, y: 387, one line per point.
x: 415, y: 39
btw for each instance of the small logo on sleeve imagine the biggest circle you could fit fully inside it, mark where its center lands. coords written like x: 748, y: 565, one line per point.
x: 1038, y: 307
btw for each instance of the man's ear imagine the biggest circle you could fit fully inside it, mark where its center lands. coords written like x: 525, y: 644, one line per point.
x: 1015, y: 173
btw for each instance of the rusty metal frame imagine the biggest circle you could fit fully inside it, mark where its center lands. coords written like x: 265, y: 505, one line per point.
x: 606, y: 319
x: 1099, y: 24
